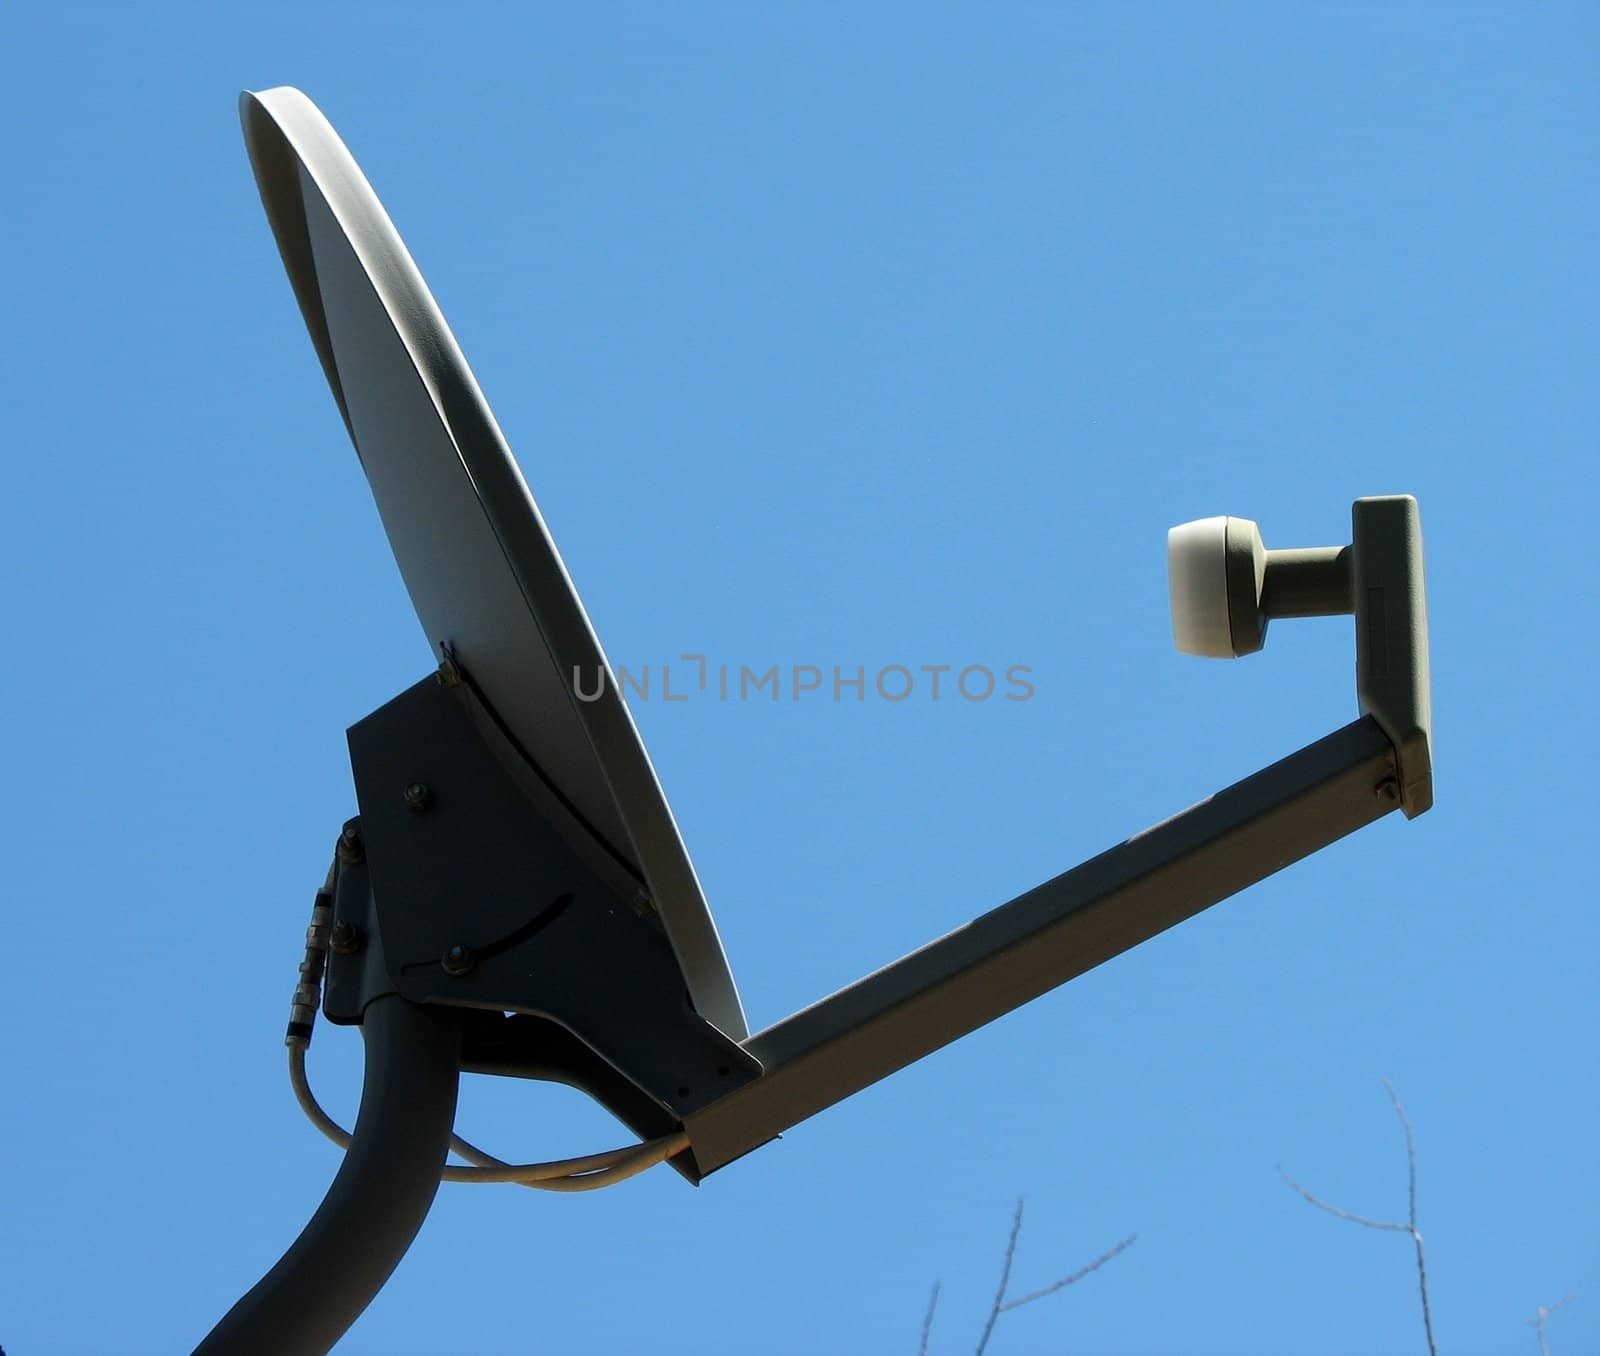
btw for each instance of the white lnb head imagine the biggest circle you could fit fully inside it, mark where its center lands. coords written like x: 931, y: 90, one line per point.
x: 1209, y: 562
x: 1226, y: 586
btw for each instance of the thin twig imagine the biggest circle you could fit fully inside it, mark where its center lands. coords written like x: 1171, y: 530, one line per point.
x: 1416, y: 1234
x: 1409, y: 1227
x: 1005, y: 1279
x: 927, y: 1320
x: 1002, y: 1304
x: 1342, y: 1214
x: 1076, y: 1276
x: 1537, y: 1323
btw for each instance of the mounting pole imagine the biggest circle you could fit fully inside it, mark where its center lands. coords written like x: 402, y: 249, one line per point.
x: 378, y: 1200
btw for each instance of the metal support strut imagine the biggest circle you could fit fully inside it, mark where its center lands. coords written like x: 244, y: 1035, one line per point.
x: 378, y: 1200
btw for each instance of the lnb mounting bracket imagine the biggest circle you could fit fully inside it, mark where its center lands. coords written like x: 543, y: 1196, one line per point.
x: 1389, y: 598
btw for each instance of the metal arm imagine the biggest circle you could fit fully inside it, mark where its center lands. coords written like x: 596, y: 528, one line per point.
x: 378, y: 1200
x: 1054, y: 933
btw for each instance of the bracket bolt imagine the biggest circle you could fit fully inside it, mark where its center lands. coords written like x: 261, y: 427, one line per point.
x: 350, y: 849
x: 457, y: 960
x: 417, y: 796
x: 1388, y: 791
x: 448, y: 673
x: 345, y: 940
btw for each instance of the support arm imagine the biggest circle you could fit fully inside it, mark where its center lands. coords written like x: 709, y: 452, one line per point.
x: 1052, y: 934
x: 378, y: 1200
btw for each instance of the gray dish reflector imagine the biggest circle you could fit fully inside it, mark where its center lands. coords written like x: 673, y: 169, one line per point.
x: 482, y: 570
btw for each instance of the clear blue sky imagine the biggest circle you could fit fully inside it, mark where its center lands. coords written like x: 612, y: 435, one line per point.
x: 862, y: 334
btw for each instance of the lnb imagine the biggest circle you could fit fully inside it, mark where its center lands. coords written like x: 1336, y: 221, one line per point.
x: 1226, y: 586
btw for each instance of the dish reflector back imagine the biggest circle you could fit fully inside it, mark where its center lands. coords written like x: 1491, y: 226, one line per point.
x: 482, y: 570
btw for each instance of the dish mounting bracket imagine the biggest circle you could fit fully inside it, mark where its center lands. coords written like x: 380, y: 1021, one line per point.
x: 468, y: 881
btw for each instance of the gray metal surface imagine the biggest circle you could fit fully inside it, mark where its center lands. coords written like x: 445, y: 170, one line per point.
x: 1393, y: 678
x: 482, y: 570
x: 1311, y: 581
x: 1051, y: 934
x: 377, y: 1202
x: 478, y: 901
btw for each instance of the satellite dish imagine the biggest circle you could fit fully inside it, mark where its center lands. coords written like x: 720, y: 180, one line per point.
x: 597, y: 999
x: 483, y: 572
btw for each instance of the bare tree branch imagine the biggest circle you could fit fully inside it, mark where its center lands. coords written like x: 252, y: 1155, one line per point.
x: 1076, y: 1276
x: 1537, y: 1323
x: 927, y: 1320
x: 1005, y: 1279
x: 1002, y: 1304
x: 1416, y: 1235
x: 1409, y: 1227
x: 1342, y: 1214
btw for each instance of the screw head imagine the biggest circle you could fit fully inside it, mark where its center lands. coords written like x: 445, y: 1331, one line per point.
x: 1388, y: 791
x: 345, y: 939
x: 457, y: 960
x: 417, y: 796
